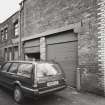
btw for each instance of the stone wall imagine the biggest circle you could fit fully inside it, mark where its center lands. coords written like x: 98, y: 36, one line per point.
x: 43, y: 15
x: 9, y: 24
x: 42, y: 48
x: 101, y: 40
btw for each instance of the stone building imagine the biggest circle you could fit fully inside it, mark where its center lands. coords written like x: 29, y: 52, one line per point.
x: 69, y: 32
x: 9, y: 38
x: 66, y: 32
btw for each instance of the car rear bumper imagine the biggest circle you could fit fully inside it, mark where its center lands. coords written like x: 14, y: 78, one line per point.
x: 52, y: 90
x: 35, y: 92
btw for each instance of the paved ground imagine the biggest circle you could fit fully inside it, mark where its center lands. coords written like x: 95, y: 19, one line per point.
x: 66, y: 97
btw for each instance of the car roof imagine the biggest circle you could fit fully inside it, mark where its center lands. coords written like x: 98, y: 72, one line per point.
x: 34, y: 62
x: 21, y: 61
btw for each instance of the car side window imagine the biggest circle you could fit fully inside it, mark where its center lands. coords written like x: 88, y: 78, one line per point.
x: 14, y: 67
x: 25, y: 70
x: 5, y: 67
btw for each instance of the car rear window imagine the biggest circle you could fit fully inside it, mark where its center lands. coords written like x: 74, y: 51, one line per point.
x: 25, y: 70
x: 46, y: 69
x: 5, y: 67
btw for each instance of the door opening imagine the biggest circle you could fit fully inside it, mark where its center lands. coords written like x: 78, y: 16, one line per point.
x: 32, y: 56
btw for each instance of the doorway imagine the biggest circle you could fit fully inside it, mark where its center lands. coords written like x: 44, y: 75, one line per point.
x: 31, y: 56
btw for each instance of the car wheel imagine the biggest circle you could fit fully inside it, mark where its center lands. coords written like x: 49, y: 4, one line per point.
x: 18, y: 96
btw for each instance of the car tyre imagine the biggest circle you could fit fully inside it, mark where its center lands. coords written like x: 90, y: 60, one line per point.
x: 18, y: 95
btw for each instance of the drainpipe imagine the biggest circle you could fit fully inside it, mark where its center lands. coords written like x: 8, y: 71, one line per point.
x: 78, y: 79
x: 19, y: 37
x: 20, y: 42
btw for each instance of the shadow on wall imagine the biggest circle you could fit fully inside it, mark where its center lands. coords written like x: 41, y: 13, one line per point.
x: 90, y: 79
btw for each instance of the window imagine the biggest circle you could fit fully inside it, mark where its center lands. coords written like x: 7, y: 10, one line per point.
x: 5, y: 33
x: 25, y: 70
x: 2, y: 35
x: 45, y: 69
x: 5, y: 67
x: 16, y: 28
x: 13, y: 68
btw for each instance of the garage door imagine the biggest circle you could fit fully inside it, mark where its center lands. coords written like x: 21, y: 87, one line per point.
x: 32, y: 49
x: 63, y: 49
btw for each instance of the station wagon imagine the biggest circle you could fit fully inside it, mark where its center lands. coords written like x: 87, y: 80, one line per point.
x: 31, y: 78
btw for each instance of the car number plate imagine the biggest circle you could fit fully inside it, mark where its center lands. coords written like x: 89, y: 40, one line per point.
x: 52, y: 83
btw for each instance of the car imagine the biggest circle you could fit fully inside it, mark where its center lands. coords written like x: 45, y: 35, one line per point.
x: 31, y: 78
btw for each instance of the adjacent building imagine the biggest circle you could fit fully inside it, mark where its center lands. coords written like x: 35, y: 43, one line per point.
x: 9, y: 38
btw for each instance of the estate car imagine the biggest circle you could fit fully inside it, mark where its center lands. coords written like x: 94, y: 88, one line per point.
x: 31, y: 78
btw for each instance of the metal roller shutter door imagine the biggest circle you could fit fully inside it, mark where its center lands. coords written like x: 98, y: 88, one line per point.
x: 32, y: 46
x: 65, y: 53
x: 32, y: 50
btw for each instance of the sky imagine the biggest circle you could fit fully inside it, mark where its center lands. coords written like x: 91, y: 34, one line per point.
x: 8, y: 8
